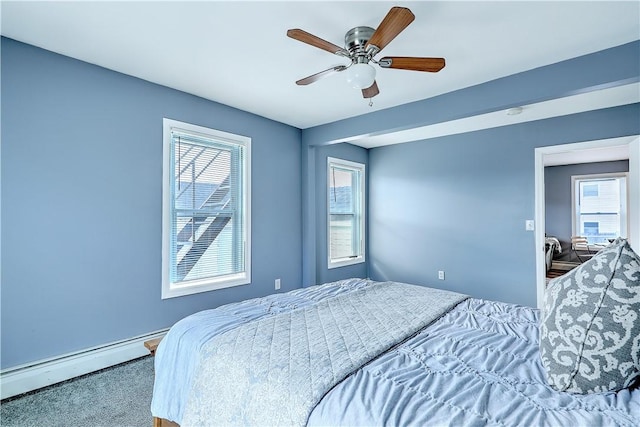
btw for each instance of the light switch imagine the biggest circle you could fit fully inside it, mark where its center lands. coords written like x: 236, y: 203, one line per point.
x: 529, y: 225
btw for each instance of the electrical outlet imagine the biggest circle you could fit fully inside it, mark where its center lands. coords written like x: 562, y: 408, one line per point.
x: 529, y: 225
x: 277, y: 284
x: 441, y: 275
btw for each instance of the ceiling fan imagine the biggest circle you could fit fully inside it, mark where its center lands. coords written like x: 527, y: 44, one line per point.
x: 362, y: 44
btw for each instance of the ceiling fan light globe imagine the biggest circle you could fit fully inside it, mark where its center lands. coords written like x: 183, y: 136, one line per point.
x: 361, y: 76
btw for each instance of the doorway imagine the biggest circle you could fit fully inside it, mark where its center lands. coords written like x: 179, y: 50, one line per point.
x: 543, y: 155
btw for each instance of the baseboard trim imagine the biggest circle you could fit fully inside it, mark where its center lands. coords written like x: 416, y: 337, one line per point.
x: 32, y: 376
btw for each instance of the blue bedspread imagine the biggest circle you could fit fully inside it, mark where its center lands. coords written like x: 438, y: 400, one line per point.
x: 275, y: 370
x: 478, y: 365
x: 178, y: 354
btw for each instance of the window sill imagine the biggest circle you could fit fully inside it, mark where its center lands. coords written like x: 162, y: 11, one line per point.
x: 345, y: 262
x: 206, y: 285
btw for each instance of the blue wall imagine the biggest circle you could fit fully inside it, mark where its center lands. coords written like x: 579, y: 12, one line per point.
x: 82, y: 199
x: 557, y: 193
x: 459, y: 204
x: 81, y: 194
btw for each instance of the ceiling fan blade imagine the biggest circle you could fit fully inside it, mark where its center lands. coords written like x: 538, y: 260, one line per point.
x: 371, y: 91
x: 316, y: 41
x: 396, y: 20
x: 321, y: 74
x: 432, y: 65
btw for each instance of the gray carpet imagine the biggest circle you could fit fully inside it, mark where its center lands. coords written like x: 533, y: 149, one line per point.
x: 116, y: 396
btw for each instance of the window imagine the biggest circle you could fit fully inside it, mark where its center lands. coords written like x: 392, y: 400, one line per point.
x: 346, y: 206
x: 590, y: 190
x: 600, y: 207
x: 206, y: 215
x: 591, y: 228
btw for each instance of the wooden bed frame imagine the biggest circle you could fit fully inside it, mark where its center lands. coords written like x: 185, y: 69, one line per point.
x: 152, y: 345
x: 161, y: 422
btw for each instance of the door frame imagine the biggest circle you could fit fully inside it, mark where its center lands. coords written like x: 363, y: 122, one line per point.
x: 633, y: 190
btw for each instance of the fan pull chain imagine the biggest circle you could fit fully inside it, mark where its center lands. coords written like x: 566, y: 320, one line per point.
x: 370, y: 102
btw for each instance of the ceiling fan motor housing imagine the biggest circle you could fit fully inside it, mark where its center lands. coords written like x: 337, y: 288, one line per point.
x: 355, y: 41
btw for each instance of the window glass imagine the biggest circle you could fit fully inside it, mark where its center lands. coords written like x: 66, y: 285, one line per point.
x: 206, y: 213
x: 600, y: 207
x: 590, y: 190
x: 345, y: 212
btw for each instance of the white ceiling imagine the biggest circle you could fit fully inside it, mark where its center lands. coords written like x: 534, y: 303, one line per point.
x: 237, y: 53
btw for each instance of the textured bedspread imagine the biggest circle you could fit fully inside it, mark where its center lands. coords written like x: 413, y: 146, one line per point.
x: 478, y: 365
x: 178, y: 355
x: 273, y: 371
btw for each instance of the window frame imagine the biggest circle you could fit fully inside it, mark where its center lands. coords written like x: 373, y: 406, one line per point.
x: 624, y: 200
x: 190, y: 287
x: 360, y: 212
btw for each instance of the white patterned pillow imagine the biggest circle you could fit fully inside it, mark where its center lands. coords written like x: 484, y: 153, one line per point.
x: 590, y: 326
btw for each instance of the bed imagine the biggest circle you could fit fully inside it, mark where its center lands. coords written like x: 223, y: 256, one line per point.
x: 360, y: 352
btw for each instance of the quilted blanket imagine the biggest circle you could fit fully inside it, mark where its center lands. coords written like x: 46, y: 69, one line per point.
x: 274, y: 370
x: 476, y: 366
x: 178, y: 354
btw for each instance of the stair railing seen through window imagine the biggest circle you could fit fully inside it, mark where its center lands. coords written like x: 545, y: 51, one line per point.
x: 205, y: 209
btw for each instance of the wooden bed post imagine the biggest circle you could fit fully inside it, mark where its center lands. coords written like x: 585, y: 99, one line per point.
x: 152, y: 345
x: 161, y: 422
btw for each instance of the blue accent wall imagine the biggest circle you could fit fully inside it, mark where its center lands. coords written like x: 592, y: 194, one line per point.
x: 459, y: 204
x: 82, y: 204
x: 81, y: 173
x: 557, y: 193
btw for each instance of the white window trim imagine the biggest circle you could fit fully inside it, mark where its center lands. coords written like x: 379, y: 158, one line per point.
x: 343, y: 262
x: 209, y: 284
x: 596, y: 176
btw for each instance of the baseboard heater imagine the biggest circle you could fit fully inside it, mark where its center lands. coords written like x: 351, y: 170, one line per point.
x: 32, y: 376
